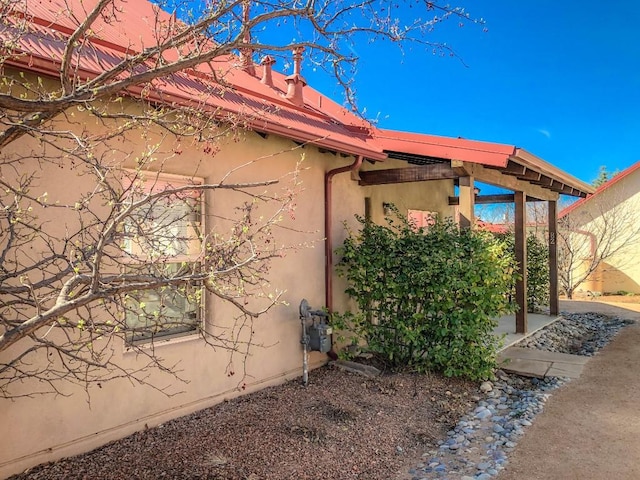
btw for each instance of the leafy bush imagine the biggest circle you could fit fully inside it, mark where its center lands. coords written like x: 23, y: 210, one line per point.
x: 537, y: 269
x: 427, y: 298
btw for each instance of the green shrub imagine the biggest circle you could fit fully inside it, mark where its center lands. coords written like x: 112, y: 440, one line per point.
x: 537, y: 269
x: 427, y: 298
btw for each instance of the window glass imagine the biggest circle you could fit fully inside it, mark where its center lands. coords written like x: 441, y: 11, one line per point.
x: 163, y: 239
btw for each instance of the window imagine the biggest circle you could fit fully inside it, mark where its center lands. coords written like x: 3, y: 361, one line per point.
x: 162, y: 240
x: 421, y: 219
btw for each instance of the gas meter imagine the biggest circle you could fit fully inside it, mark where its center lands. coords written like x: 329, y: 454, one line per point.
x: 316, y: 334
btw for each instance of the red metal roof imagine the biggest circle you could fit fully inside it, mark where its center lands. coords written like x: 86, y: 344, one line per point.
x: 605, y: 186
x: 492, y: 227
x: 485, y: 153
x: 492, y: 155
x: 128, y: 27
x: 320, y: 121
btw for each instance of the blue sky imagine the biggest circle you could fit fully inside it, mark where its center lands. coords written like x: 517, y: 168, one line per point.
x: 560, y: 79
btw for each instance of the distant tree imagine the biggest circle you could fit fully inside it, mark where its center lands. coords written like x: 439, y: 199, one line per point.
x: 604, y: 176
x: 123, y: 265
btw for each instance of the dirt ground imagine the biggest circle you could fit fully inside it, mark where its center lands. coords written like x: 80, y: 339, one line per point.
x: 342, y: 426
x: 590, y: 429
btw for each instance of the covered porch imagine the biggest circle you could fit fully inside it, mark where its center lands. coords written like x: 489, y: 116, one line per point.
x: 465, y: 162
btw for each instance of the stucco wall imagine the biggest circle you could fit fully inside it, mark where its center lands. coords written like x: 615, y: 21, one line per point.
x: 615, y: 209
x: 45, y: 428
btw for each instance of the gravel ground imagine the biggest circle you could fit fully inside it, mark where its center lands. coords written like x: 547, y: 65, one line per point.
x: 342, y: 426
x: 478, y: 447
x: 345, y: 426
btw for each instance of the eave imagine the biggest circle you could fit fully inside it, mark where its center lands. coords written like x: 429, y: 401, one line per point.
x: 502, y: 165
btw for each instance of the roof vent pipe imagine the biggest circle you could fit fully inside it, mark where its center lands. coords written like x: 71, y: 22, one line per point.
x: 267, y: 62
x: 246, y: 54
x: 296, y: 82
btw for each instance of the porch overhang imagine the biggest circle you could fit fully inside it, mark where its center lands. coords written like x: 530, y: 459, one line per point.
x: 504, y: 166
x: 431, y: 157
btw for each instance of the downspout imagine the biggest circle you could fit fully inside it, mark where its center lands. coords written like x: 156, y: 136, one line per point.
x: 328, y: 245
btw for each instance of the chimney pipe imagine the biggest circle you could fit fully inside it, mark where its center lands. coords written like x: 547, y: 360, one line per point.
x: 266, y: 63
x: 246, y: 54
x: 296, y: 82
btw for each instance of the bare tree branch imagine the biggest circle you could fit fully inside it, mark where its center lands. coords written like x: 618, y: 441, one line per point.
x: 130, y: 255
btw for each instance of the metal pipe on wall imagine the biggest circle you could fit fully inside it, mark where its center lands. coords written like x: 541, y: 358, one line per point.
x: 328, y: 244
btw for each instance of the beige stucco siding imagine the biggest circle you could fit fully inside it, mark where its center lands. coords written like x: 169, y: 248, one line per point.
x: 614, y: 209
x: 45, y: 428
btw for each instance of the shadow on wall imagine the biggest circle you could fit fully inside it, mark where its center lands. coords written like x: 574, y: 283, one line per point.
x: 608, y: 279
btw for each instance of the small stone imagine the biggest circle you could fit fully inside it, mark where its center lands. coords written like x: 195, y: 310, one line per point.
x: 486, y: 387
x: 482, y: 414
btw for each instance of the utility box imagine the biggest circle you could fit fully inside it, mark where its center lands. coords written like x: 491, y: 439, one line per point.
x: 316, y: 332
x: 320, y: 337
x: 316, y: 335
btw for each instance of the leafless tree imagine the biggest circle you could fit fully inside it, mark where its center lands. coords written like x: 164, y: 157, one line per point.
x: 121, y: 264
x: 604, y: 228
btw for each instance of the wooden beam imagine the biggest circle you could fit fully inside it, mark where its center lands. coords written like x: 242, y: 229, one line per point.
x: 521, y: 258
x: 462, y: 169
x: 530, y: 176
x: 492, y: 199
x: 567, y: 190
x: 494, y: 177
x: 420, y: 173
x: 367, y: 209
x: 516, y: 170
x: 467, y: 202
x: 554, y: 302
x: 544, y: 181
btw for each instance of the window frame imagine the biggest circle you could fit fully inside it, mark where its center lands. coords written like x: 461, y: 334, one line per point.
x: 132, y: 259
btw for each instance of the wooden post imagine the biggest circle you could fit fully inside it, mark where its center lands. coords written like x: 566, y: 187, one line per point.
x: 467, y: 201
x: 554, y: 304
x: 521, y: 259
x: 367, y: 209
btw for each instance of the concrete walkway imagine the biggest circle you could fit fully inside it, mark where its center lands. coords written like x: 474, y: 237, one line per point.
x: 590, y: 428
x: 507, y: 327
